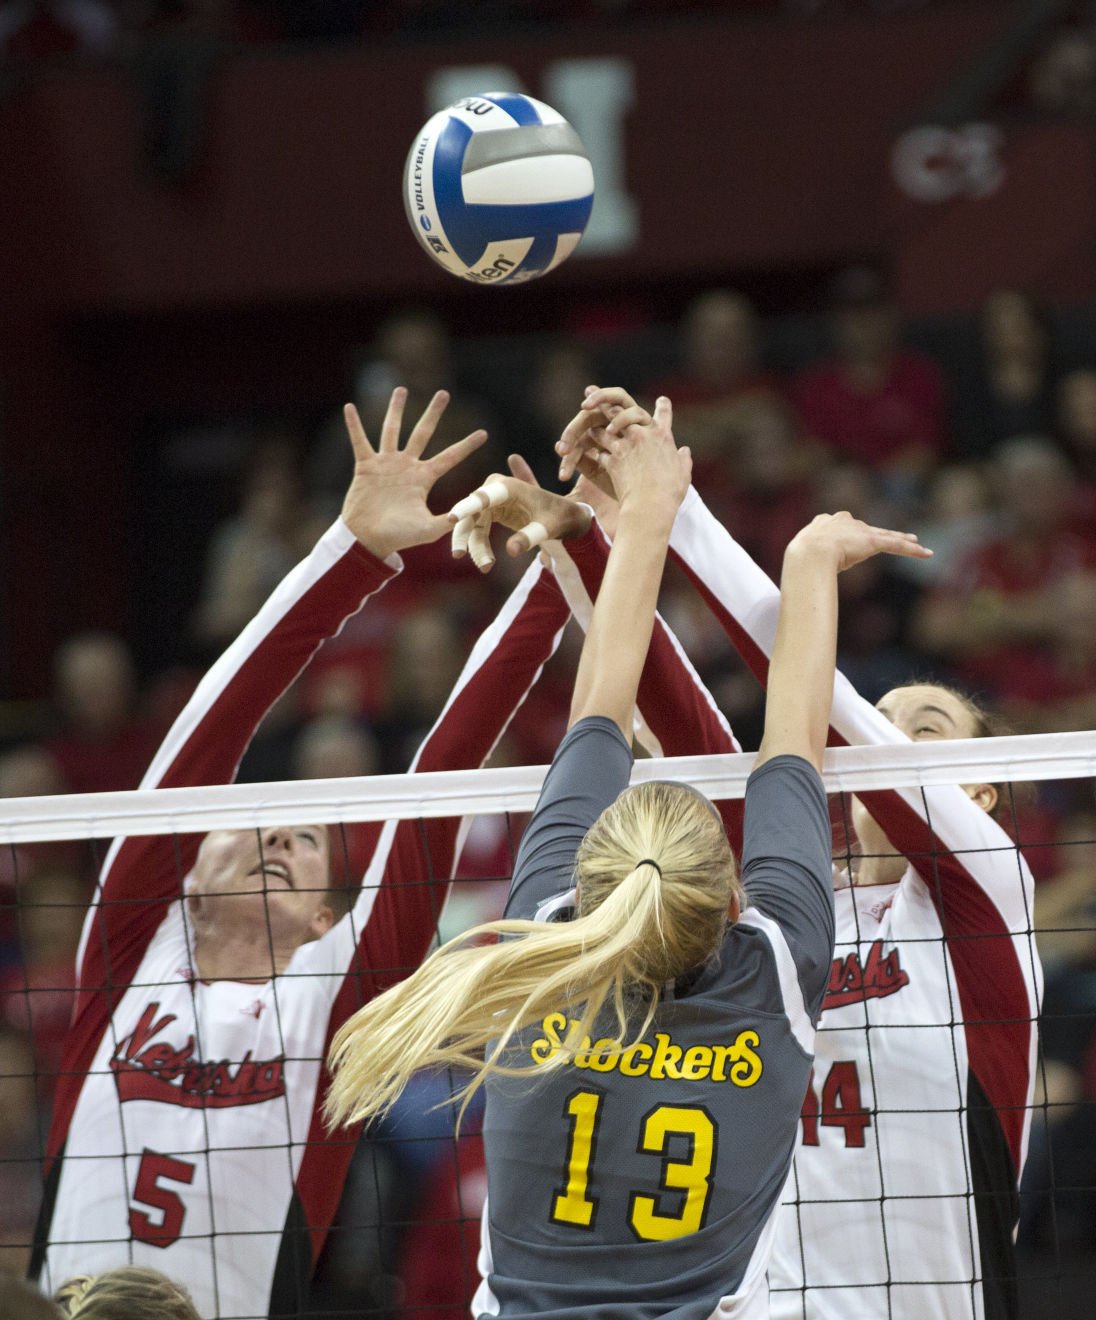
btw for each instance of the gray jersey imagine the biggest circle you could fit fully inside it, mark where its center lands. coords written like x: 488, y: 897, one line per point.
x: 640, y: 1184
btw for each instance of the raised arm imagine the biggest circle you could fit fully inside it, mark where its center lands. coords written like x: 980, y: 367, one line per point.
x: 650, y: 475
x: 650, y: 478
x: 814, y: 559
x: 801, y: 672
x: 536, y: 516
x: 391, y: 926
x: 385, y: 510
x: 919, y: 824
x: 677, y: 716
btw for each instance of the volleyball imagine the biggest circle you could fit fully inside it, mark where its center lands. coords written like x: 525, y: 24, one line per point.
x: 498, y: 188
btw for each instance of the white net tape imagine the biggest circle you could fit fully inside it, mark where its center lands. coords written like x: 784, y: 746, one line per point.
x: 1020, y: 758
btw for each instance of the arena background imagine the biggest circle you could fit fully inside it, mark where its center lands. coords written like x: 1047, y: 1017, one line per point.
x: 205, y: 253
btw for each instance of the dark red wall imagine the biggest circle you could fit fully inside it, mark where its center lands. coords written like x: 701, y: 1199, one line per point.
x: 751, y: 146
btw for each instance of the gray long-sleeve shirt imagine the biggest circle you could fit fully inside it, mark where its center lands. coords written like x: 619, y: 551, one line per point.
x: 639, y: 1185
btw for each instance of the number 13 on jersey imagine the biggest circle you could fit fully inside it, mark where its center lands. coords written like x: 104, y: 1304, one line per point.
x: 690, y: 1178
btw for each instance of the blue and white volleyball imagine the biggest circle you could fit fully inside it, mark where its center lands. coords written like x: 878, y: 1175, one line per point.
x: 498, y: 188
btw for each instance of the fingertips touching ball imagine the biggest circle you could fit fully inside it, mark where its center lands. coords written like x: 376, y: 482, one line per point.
x: 498, y: 188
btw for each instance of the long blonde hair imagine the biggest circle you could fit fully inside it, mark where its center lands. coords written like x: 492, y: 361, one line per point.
x: 129, y: 1292
x: 655, y: 876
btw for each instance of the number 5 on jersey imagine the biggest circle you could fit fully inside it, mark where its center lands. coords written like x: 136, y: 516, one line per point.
x: 149, y: 1190
x: 691, y: 1177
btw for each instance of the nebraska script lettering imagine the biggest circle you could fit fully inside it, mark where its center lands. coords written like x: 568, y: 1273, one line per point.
x: 853, y: 981
x: 149, y: 1069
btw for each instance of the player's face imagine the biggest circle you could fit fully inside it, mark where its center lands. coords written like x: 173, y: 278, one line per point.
x: 924, y: 713
x: 281, y: 873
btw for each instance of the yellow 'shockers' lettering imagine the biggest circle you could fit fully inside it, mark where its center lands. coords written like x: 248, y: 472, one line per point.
x: 661, y: 1060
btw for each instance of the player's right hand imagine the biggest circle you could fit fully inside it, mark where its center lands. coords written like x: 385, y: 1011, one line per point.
x: 642, y: 461
x: 533, y: 514
x: 385, y: 505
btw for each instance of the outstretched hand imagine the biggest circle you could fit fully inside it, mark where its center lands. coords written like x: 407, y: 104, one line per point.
x: 642, y: 461
x: 603, y: 415
x: 518, y: 502
x: 850, y: 541
x: 385, y: 506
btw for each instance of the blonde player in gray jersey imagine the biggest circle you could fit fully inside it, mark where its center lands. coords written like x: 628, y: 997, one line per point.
x: 644, y: 1026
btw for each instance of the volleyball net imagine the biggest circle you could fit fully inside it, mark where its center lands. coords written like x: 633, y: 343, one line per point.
x: 171, y: 1122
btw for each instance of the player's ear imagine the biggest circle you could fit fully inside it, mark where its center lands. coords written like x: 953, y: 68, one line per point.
x: 192, y: 896
x: 322, y: 921
x: 982, y: 795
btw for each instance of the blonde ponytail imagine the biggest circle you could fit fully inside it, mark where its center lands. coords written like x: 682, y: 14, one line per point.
x: 72, y: 1292
x: 129, y: 1292
x: 655, y: 877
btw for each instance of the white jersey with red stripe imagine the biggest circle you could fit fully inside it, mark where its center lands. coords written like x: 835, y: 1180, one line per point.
x: 187, y: 1134
x: 915, y: 1130
x: 880, y: 1217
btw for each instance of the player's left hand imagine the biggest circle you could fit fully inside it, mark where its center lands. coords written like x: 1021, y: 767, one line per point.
x: 845, y: 541
x: 533, y: 514
x: 604, y: 415
x: 385, y: 506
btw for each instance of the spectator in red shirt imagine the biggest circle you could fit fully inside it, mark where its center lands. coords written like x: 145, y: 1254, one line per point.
x: 255, y: 547
x: 721, y: 366
x: 762, y: 485
x: 102, y: 743
x: 1012, y: 390
x: 1056, y: 690
x: 38, y: 993
x: 874, y: 400
x: 996, y: 613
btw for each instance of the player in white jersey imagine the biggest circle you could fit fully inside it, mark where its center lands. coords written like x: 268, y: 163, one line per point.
x: 186, y: 1134
x: 904, y: 1193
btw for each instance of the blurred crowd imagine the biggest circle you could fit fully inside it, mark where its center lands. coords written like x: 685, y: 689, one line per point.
x: 988, y: 452
x: 43, y: 29
x: 37, y: 29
